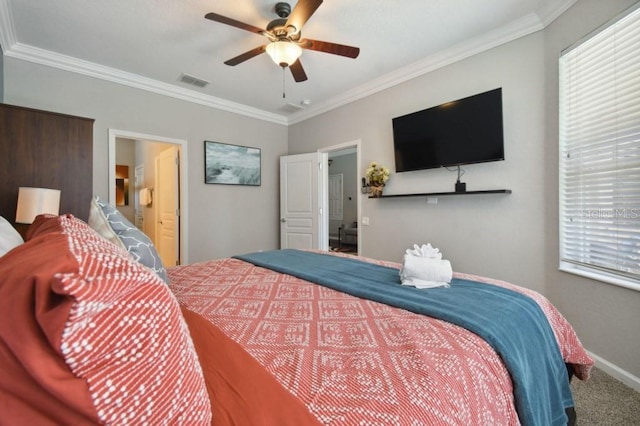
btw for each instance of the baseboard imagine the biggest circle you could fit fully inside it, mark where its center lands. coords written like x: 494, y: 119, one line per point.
x: 617, y: 372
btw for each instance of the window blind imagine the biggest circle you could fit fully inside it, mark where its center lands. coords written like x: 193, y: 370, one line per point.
x: 600, y: 153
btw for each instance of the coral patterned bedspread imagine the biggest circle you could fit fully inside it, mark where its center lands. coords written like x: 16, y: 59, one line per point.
x: 353, y: 361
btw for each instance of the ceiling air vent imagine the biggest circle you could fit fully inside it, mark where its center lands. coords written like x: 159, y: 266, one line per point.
x: 194, y: 81
x: 291, y: 108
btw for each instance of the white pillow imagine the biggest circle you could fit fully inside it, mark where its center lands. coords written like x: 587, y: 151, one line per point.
x: 9, y: 237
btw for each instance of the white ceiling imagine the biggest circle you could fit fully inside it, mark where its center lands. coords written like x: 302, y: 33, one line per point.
x: 150, y: 43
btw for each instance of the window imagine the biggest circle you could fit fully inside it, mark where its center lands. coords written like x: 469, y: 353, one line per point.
x: 600, y: 154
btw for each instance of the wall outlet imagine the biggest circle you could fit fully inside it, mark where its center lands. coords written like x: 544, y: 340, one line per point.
x: 432, y: 200
x: 365, y: 221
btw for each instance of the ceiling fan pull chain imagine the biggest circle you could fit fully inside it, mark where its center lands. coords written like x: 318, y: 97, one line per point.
x: 283, y: 84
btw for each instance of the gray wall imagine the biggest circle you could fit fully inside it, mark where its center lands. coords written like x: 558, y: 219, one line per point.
x: 510, y: 224
x: 511, y: 237
x: 222, y: 218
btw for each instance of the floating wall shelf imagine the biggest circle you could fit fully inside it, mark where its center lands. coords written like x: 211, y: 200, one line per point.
x: 440, y: 194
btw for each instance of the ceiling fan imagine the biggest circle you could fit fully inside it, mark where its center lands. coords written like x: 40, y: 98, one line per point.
x: 285, y: 39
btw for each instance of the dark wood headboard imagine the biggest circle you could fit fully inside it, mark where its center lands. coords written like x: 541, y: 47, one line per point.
x: 47, y: 150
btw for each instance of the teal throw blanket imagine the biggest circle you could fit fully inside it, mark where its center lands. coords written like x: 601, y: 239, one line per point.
x: 512, y: 323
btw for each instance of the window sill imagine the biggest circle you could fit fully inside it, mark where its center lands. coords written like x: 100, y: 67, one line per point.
x: 600, y: 276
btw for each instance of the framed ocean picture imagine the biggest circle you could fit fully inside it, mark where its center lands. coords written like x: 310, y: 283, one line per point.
x: 231, y: 164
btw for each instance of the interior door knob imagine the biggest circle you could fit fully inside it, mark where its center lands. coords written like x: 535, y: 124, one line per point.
x: 283, y: 220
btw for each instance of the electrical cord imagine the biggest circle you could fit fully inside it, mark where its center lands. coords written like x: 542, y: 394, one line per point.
x: 460, y: 171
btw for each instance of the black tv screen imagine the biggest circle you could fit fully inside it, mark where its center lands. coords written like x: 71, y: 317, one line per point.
x: 465, y: 131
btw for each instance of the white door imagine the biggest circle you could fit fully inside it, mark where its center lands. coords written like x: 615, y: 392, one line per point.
x: 301, y: 215
x: 166, y: 199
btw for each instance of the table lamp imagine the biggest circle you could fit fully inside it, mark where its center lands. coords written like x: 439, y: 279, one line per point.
x: 35, y: 201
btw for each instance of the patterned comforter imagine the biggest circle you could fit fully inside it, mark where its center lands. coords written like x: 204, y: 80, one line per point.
x: 353, y: 361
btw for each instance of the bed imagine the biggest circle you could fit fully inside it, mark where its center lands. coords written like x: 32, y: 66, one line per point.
x: 93, y: 333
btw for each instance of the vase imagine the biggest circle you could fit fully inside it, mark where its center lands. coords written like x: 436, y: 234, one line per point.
x: 376, y: 190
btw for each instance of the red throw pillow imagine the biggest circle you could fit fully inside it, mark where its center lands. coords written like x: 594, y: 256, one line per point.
x: 89, y: 335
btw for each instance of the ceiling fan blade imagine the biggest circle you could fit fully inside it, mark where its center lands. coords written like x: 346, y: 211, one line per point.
x: 302, y: 12
x: 298, y: 72
x: 245, y: 56
x: 333, y: 48
x: 228, y: 21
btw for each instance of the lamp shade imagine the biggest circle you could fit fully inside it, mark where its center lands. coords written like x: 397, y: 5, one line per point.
x: 35, y: 201
x: 284, y: 53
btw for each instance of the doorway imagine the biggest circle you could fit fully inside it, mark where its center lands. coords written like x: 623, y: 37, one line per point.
x: 304, y: 182
x: 343, y: 197
x: 147, y: 147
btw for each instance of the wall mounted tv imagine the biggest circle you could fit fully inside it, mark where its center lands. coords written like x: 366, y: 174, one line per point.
x: 461, y: 132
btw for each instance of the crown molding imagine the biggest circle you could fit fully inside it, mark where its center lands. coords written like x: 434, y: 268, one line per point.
x: 7, y: 31
x: 12, y: 48
x: 68, y: 63
x: 550, y: 13
x: 527, y: 25
x: 524, y: 26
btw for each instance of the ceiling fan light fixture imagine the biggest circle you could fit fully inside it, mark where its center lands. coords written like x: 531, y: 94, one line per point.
x: 284, y: 53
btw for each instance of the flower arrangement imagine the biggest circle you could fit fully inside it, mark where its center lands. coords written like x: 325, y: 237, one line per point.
x: 377, y: 175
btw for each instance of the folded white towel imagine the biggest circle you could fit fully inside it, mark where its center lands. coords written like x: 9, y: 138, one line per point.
x: 145, y: 196
x: 422, y: 272
x: 421, y: 284
x: 426, y: 250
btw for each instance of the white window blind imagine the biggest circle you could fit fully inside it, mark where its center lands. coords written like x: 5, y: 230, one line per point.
x: 600, y: 154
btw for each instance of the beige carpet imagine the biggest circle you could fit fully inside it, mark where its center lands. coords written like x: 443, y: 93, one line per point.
x: 605, y: 401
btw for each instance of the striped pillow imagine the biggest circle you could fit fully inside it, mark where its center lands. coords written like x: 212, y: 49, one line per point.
x: 112, y: 225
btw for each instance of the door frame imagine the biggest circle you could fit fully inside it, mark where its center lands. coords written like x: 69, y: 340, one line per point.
x: 325, y: 197
x: 184, y: 193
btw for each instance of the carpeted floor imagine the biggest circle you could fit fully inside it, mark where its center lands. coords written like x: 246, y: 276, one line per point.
x: 605, y: 401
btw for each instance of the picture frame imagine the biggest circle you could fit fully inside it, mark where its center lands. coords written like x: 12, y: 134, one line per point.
x: 228, y: 164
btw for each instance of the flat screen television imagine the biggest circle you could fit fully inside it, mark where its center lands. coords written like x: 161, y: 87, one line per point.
x: 465, y: 131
